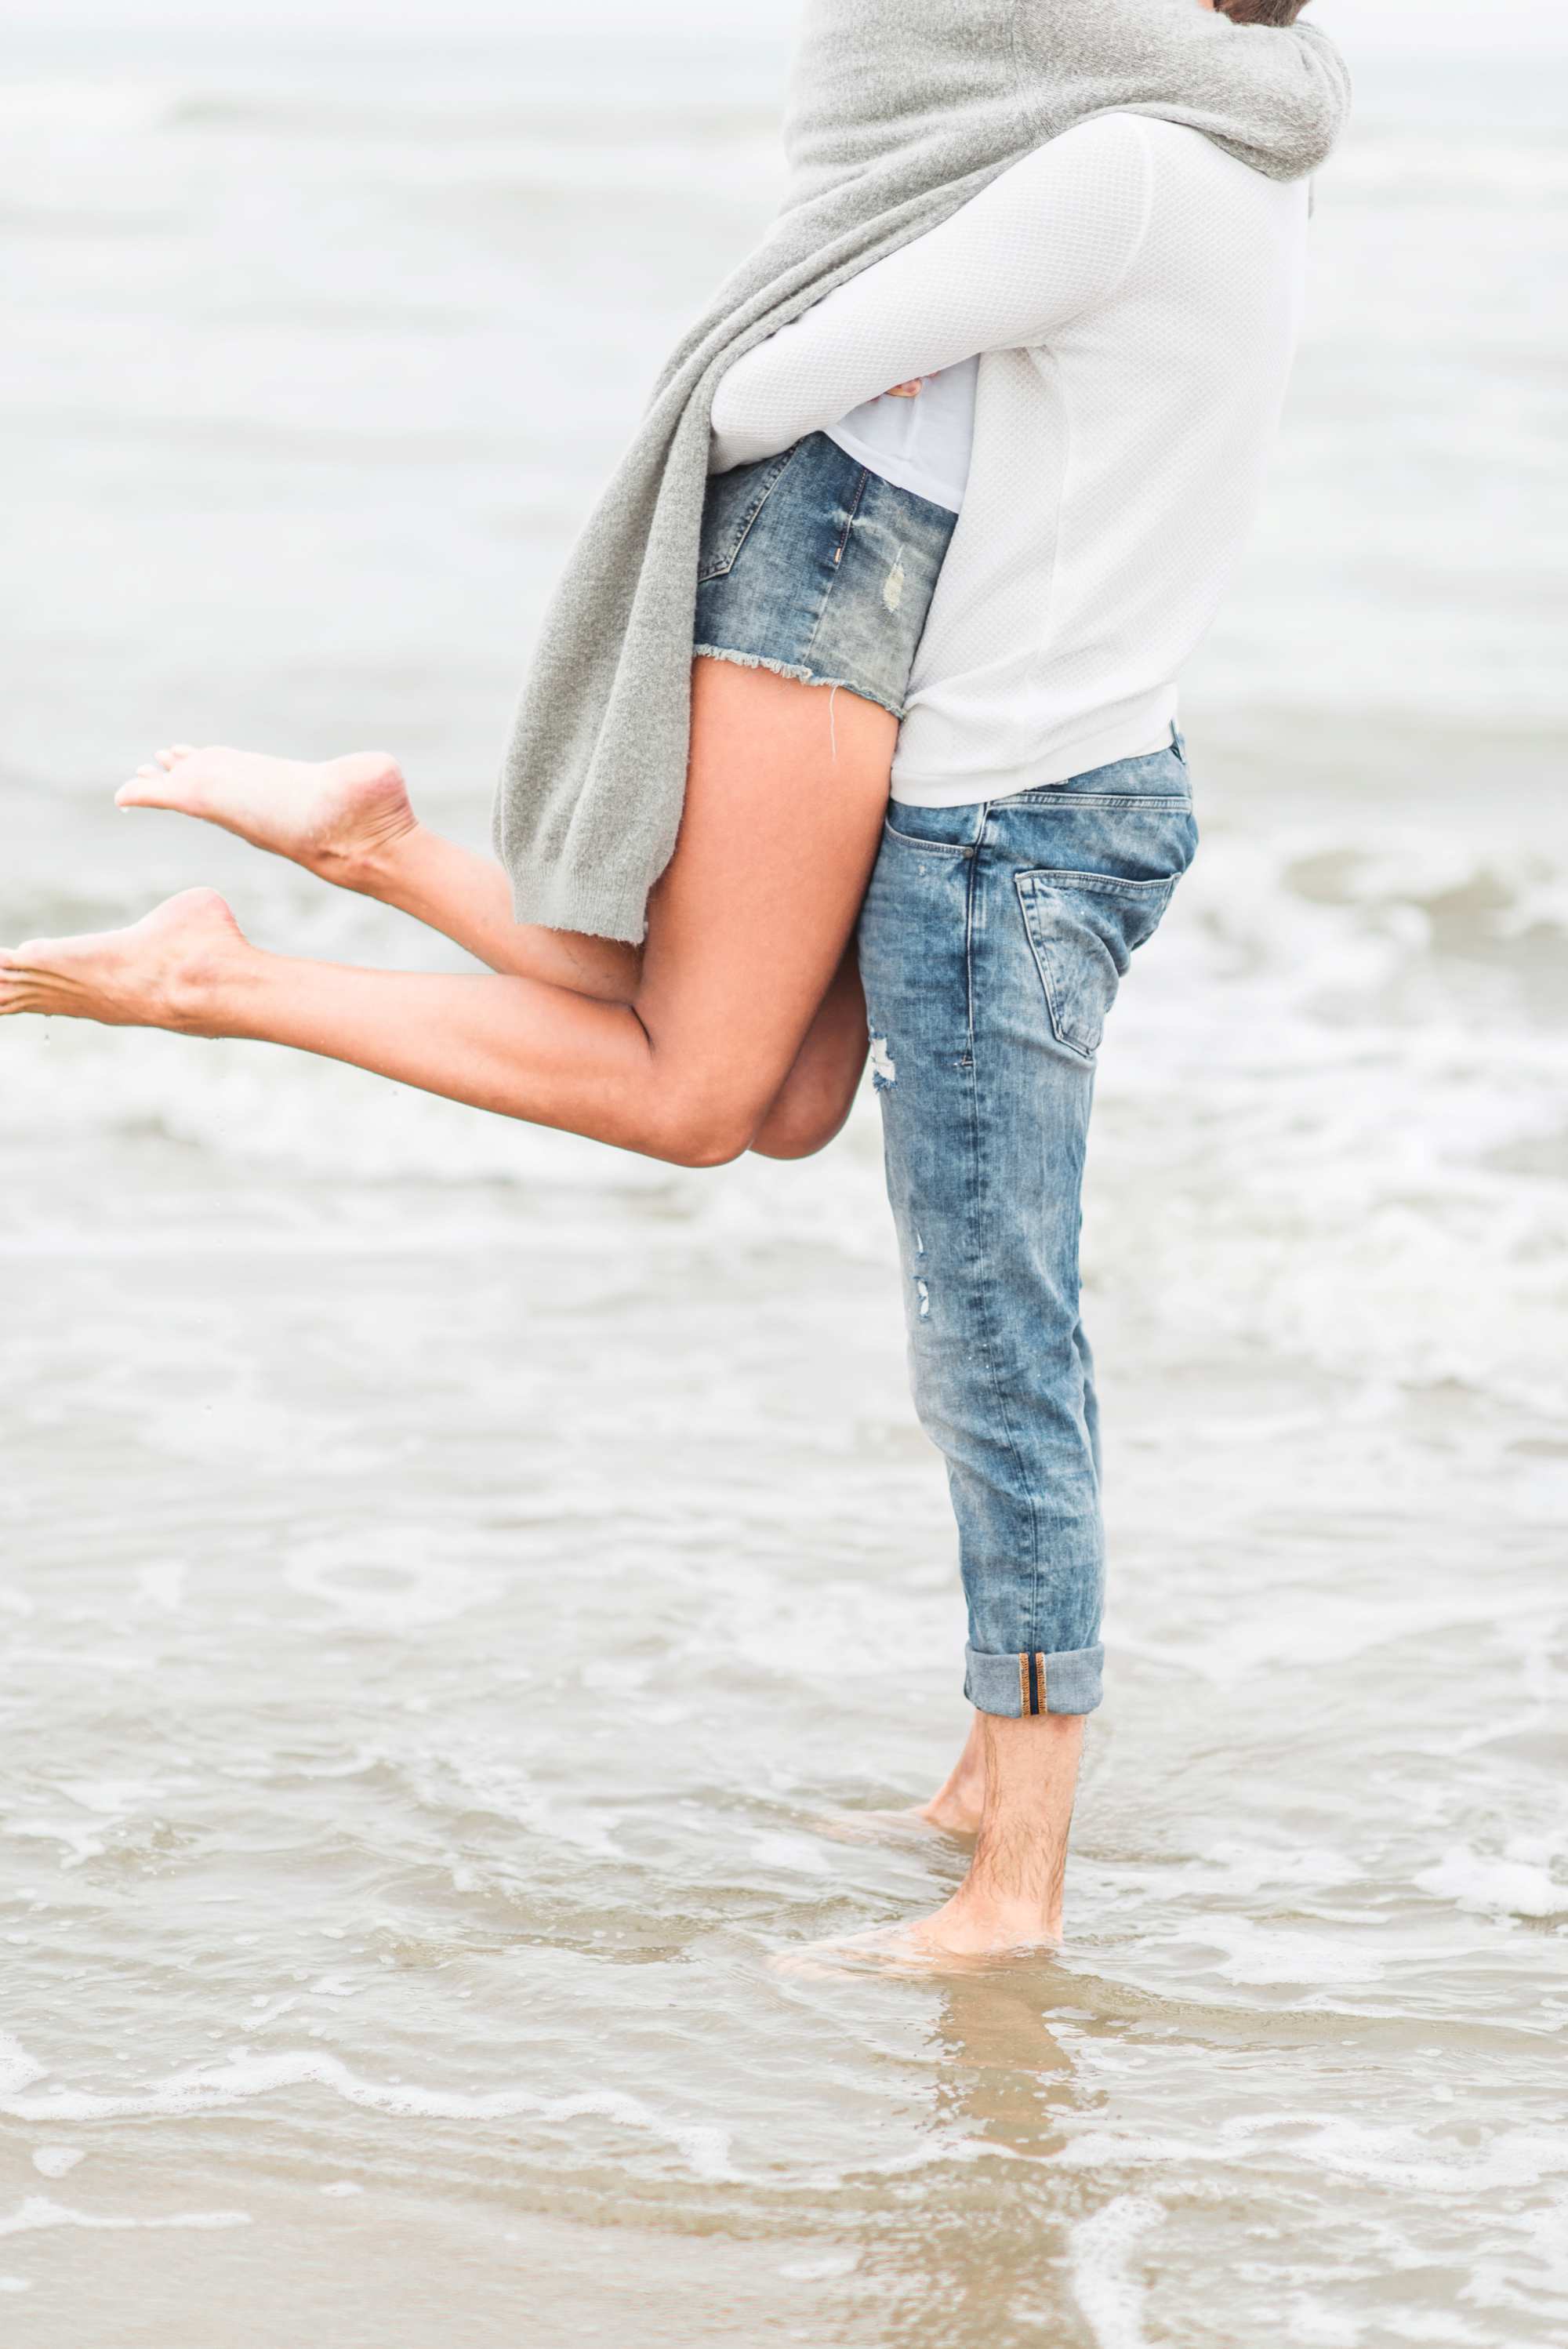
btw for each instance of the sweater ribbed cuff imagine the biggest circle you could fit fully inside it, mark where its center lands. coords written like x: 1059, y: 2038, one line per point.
x: 595, y: 907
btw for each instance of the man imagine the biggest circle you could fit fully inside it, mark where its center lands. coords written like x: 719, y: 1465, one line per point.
x: 1041, y: 818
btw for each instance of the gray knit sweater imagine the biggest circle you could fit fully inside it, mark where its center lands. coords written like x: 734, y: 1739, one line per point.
x: 901, y: 110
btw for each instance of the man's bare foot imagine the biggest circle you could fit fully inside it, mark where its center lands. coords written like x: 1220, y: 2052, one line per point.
x: 965, y: 1931
x: 956, y: 1806
x: 954, y: 1809
x: 171, y: 970
x: 340, y: 820
x: 915, y: 1825
x: 1011, y: 1900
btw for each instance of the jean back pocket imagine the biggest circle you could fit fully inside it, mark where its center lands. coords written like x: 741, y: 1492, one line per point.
x: 1084, y: 929
x: 732, y: 504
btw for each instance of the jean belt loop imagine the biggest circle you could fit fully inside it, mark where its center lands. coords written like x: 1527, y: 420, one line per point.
x: 1178, y: 742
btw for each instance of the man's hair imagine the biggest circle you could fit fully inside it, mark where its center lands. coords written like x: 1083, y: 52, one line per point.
x: 1261, y: 12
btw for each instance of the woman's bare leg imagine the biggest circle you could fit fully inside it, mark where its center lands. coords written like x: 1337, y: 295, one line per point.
x: 350, y: 821
x: 813, y: 1103
x: 748, y: 929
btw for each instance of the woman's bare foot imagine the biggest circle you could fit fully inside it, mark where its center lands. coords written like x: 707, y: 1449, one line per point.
x: 339, y: 819
x: 175, y: 968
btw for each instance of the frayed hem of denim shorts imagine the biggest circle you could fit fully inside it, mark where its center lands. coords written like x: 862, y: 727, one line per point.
x: 797, y: 674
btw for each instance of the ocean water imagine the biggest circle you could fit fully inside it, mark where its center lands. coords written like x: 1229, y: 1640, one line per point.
x: 455, y: 1580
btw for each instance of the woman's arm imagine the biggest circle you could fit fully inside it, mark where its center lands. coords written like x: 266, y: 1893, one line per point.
x: 1045, y: 240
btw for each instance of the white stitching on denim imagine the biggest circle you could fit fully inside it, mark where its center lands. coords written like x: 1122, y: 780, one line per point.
x: 983, y: 814
x: 937, y: 847
x: 1058, y: 796
x: 1107, y: 885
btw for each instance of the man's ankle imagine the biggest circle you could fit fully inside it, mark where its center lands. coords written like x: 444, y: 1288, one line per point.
x: 1004, y: 1919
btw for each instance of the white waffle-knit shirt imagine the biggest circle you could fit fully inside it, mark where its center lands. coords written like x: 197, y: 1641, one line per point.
x: 1136, y: 294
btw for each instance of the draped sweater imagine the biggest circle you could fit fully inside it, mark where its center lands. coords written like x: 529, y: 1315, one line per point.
x: 1140, y: 293
x: 899, y: 112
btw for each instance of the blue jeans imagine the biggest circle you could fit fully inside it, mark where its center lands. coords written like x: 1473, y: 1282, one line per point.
x: 992, y: 944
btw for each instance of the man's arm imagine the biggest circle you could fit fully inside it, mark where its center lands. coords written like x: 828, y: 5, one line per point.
x: 1045, y: 240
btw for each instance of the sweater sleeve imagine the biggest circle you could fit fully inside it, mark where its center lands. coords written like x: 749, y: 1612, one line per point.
x: 1048, y: 239
x: 1276, y: 97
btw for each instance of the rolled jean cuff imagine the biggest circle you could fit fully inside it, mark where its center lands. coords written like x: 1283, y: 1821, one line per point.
x: 1015, y: 1686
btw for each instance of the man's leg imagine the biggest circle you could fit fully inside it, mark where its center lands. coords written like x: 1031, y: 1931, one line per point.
x: 958, y: 1802
x: 991, y: 943
x: 984, y: 1132
x: 1012, y: 1897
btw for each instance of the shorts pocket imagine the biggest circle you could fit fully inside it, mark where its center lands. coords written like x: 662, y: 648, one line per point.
x: 734, y: 502
x: 921, y: 841
x: 1084, y: 929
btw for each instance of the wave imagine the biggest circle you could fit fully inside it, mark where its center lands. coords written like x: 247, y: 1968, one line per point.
x: 702, y: 2148
x: 36, y: 2212
x: 1344, y: 1056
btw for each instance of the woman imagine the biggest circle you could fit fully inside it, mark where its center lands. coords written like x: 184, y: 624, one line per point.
x: 736, y: 1021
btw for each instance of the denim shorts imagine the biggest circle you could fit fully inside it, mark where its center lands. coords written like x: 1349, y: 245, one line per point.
x: 820, y: 570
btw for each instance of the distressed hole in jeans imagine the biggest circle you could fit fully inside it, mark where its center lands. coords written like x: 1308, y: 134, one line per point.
x: 923, y: 1292
x: 893, y: 586
x: 884, y: 1068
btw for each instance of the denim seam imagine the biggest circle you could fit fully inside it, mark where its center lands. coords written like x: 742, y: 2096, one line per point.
x: 937, y: 847
x: 1058, y: 796
x: 971, y: 890
x: 836, y: 570
x: 982, y: 1288
x: 1103, y: 884
x: 1053, y: 1011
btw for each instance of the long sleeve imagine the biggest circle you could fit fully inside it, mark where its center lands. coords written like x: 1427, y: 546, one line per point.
x: 1043, y: 242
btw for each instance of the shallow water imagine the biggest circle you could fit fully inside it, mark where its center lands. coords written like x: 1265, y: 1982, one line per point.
x: 455, y: 1580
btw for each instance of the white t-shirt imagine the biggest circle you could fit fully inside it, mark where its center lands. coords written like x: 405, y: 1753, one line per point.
x: 1135, y: 293
x: 923, y: 444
